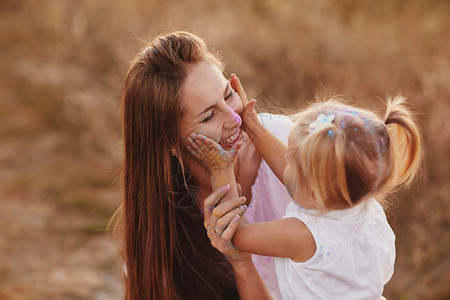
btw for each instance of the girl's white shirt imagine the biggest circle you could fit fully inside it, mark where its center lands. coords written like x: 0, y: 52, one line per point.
x: 354, y: 258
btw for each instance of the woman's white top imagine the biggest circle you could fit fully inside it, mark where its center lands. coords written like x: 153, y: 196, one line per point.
x: 354, y: 258
x: 269, y: 199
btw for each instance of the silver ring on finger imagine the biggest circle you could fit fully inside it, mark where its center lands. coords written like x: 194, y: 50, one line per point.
x: 217, y: 231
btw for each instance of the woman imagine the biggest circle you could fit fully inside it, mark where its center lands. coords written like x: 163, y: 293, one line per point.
x: 175, y: 87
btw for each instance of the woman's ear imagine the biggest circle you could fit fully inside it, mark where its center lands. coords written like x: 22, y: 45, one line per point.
x: 174, y: 152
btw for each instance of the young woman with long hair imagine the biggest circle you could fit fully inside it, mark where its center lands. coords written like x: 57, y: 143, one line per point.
x: 175, y: 86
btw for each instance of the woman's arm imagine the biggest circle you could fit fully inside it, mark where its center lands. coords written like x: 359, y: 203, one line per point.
x: 271, y: 148
x: 248, y: 281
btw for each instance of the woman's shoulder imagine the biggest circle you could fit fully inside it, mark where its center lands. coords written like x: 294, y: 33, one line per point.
x: 278, y: 124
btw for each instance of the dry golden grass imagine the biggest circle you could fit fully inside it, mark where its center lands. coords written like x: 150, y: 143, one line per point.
x: 61, y: 67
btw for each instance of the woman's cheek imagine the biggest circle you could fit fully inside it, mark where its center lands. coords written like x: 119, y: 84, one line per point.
x: 235, y: 103
x: 211, y: 130
x: 239, y: 106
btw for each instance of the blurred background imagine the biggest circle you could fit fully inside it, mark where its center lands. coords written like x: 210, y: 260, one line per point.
x: 62, y: 63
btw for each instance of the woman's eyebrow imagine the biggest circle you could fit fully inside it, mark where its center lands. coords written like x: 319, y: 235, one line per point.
x: 214, y: 105
x: 206, y: 109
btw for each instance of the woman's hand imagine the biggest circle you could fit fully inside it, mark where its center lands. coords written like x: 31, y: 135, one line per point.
x: 221, y: 221
x: 211, y: 155
x: 249, y: 116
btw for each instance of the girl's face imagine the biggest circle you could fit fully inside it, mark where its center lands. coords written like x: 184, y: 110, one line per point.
x: 211, y: 106
x: 295, y: 189
x: 289, y: 181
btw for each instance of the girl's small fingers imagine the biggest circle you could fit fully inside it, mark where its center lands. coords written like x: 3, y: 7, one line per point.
x: 194, y: 144
x: 200, y: 140
x: 235, y: 149
x: 237, y: 86
x: 251, y: 105
x: 193, y: 151
x: 206, y: 140
x: 206, y: 144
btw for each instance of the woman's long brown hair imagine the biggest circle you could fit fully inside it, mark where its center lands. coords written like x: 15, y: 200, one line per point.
x: 166, y: 250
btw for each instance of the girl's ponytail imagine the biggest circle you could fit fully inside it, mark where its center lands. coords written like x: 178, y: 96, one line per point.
x: 321, y: 160
x: 405, y: 140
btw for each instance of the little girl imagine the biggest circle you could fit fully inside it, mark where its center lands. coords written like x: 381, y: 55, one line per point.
x: 340, y: 163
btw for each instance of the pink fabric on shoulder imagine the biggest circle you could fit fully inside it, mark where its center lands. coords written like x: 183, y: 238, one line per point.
x: 269, y: 199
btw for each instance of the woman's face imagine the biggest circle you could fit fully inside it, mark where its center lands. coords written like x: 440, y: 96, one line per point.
x: 211, y: 106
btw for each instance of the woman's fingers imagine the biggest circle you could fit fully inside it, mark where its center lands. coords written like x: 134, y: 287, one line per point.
x: 225, y: 207
x: 222, y: 215
x: 227, y: 235
x: 223, y: 222
x: 211, y: 200
x: 224, y: 212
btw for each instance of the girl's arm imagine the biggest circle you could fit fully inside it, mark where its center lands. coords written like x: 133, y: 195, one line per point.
x: 287, y: 237
x: 271, y: 148
x: 218, y: 162
x: 282, y: 238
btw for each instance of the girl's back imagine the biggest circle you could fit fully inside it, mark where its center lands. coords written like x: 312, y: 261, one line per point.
x: 354, y: 258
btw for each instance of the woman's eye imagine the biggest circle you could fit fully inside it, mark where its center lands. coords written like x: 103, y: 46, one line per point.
x: 229, y: 95
x: 208, y: 118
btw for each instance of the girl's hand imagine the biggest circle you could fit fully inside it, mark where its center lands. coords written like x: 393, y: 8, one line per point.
x: 249, y: 116
x: 222, y: 220
x: 212, y: 156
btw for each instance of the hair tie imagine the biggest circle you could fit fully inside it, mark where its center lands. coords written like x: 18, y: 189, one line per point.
x: 322, y: 121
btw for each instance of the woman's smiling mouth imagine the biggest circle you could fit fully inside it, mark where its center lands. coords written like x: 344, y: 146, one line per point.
x: 228, y: 142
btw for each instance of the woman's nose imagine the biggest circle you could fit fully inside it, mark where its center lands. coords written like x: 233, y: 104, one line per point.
x: 233, y: 119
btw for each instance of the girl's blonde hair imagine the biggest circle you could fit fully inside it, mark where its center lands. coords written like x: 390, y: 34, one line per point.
x: 356, y: 155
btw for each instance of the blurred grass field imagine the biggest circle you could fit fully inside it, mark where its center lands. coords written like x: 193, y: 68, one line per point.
x: 61, y: 67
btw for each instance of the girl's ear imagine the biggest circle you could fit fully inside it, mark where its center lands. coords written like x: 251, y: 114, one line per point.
x: 174, y: 152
